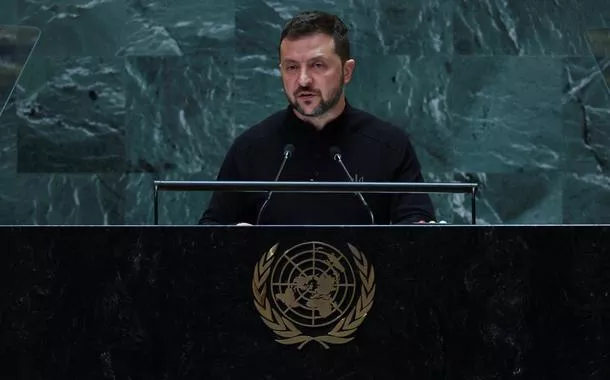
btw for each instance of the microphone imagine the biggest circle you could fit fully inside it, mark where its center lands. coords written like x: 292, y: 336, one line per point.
x: 288, y: 150
x: 335, y: 153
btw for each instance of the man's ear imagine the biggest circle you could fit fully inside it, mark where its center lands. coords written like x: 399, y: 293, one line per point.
x: 348, y: 70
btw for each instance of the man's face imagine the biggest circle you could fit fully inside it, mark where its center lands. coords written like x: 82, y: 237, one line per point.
x: 313, y: 74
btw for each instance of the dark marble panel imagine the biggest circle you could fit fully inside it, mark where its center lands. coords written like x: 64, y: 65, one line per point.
x: 139, y: 199
x: 586, y: 117
x: 503, y: 198
x: 416, y: 28
x: 56, y: 199
x: 259, y: 36
x: 79, y: 27
x: 521, y: 198
x: 542, y: 27
x: 8, y: 139
x: 72, y: 115
x: 258, y: 89
x: 586, y: 198
x: 59, y: 199
x: 506, y: 113
x: 491, y: 115
x: 8, y: 199
x: 10, y: 12
x: 102, y: 28
x: 175, y: 207
x: 179, y: 113
x: 193, y: 27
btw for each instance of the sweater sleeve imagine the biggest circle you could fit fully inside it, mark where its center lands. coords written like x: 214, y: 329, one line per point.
x: 409, y: 208
x: 226, y: 207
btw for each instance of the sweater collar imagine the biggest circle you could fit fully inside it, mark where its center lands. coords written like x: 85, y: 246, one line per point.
x: 331, y: 131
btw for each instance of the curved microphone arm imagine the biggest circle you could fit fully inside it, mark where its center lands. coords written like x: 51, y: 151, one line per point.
x: 336, y: 155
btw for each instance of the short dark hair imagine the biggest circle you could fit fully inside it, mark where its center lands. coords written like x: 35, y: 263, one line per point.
x: 312, y: 22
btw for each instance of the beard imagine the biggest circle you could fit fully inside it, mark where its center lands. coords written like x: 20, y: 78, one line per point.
x: 325, y: 104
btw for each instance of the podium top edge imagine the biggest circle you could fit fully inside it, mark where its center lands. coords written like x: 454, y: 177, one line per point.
x: 317, y: 226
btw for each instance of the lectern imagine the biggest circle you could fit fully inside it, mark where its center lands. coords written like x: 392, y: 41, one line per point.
x: 420, y: 302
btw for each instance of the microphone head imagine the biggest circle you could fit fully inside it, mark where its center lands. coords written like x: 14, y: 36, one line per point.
x: 335, y: 152
x: 288, y: 150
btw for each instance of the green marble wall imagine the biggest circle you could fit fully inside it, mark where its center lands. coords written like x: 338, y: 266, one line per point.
x: 119, y: 93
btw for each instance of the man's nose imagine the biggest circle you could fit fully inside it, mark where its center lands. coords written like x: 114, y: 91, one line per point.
x: 304, y: 78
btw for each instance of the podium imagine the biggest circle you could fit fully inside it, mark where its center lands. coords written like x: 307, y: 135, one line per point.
x: 424, y: 302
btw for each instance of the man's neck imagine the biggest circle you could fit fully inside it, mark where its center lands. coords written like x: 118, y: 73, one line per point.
x: 319, y: 122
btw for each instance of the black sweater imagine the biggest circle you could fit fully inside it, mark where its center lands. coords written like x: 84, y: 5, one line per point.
x: 373, y: 151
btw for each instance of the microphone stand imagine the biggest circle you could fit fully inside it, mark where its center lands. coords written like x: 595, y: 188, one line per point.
x: 337, y: 157
x: 288, y: 149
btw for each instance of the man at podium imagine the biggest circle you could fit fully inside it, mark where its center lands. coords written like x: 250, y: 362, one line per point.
x: 319, y: 136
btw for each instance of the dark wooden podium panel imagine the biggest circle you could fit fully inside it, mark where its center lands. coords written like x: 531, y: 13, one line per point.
x: 449, y: 302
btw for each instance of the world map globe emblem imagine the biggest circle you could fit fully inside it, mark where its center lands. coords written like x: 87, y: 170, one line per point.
x: 313, y: 284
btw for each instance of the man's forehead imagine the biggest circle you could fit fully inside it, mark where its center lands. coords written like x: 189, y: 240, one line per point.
x: 308, y: 47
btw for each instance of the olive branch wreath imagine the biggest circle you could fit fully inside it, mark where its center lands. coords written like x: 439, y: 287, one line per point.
x: 287, y: 331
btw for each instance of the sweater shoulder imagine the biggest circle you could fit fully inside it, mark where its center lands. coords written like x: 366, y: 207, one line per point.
x: 380, y: 131
x: 260, y: 132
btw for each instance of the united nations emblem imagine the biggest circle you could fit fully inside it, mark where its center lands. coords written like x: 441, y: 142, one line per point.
x: 313, y: 292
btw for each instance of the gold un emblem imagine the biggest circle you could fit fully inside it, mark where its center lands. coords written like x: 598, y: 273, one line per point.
x: 312, y: 292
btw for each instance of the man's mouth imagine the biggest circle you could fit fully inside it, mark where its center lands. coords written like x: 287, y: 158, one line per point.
x: 307, y: 95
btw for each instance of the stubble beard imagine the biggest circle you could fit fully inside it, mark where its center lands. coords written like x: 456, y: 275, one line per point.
x: 324, y: 105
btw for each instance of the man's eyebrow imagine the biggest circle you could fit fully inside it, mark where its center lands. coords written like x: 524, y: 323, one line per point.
x: 319, y: 56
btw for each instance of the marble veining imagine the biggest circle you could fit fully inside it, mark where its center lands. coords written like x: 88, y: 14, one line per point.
x: 513, y: 95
